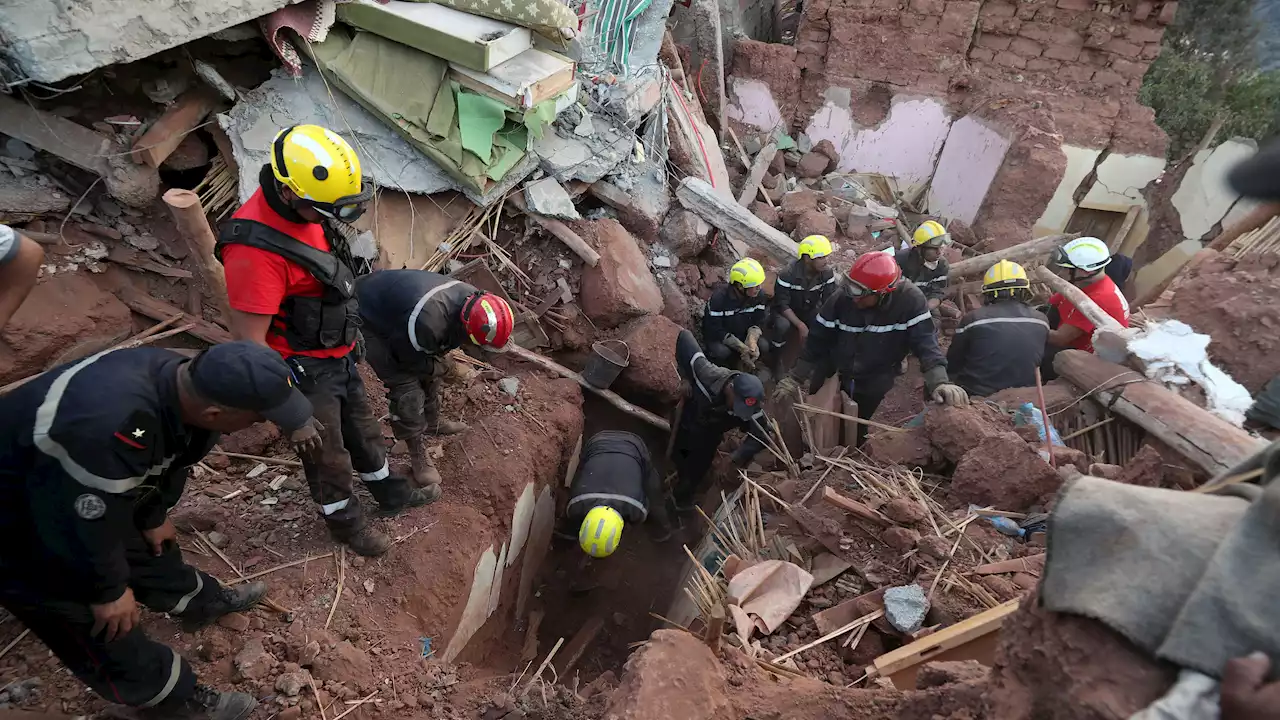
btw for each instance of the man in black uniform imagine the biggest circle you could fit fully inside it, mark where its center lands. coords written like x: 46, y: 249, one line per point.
x: 1000, y: 344
x: 737, y: 326
x: 92, y: 456
x: 864, y: 331
x: 410, y: 319
x: 717, y: 400
x: 923, y: 264
x: 803, y: 285
x: 615, y: 482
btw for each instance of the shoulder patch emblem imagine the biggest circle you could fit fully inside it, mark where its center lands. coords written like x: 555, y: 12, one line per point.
x: 90, y: 507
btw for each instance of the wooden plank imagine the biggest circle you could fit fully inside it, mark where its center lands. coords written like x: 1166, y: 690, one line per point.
x: 1032, y: 565
x: 577, y: 647
x: 74, y: 143
x: 120, y: 256
x: 853, y: 507
x: 850, y: 427
x: 160, y: 310
x: 698, y: 196
x: 165, y: 134
x: 1037, y: 248
x: 1130, y: 217
x: 1204, y: 439
x: 927, y: 648
x: 844, y: 613
x: 572, y: 469
x: 759, y: 167
x: 559, y: 230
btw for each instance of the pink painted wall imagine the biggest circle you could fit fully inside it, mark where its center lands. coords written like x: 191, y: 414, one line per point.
x: 905, y: 145
x: 751, y: 103
x: 970, y: 159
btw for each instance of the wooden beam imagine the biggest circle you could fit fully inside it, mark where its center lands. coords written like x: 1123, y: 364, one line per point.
x: 189, y: 217
x: 577, y: 647
x: 1037, y: 248
x: 165, y: 134
x: 74, y: 143
x: 1204, y: 439
x: 612, y: 397
x: 159, y: 310
x: 1109, y: 337
x: 1130, y: 217
x: 849, y: 505
x: 698, y: 196
x: 759, y: 167
x: 559, y: 230
x: 912, y: 655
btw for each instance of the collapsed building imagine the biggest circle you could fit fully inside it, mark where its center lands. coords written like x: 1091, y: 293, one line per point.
x: 606, y: 203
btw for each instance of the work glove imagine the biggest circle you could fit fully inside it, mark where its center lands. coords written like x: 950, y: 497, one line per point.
x: 786, y: 389
x: 950, y: 394
x: 306, y: 440
x: 753, y: 341
x: 733, y: 343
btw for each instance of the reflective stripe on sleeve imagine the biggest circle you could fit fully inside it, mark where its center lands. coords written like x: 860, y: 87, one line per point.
x: 993, y: 321
x: 417, y: 310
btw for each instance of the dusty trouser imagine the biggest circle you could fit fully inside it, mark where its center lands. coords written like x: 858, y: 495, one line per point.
x: 413, y: 387
x: 133, y: 669
x: 352, y: 439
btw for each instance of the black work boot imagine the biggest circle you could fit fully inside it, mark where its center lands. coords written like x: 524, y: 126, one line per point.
x: 367, y: 541
x: 206, y: 704
x: 396, y: 494
x: 229, y: 600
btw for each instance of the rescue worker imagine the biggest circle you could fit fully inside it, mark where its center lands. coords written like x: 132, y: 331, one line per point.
x: 291, y: 288
x: 804, y: 284
x: 1000, y: 344
x: 616, y: 483
x: 410, y: 319
x: 92, y: 456
x: 737, y: 318
x: 717, y: 400
x: 863, y: 333
x: 923, y: 264
x: 1082, y: 262
x: 20, y: 259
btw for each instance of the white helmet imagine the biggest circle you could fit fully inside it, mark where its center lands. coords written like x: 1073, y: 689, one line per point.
x: 1087, y: 253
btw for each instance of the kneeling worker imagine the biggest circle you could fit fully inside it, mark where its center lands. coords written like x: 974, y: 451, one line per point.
x: 717, y: 400
x: 864, y: 332
x: 92, y: 456
x: 803, y: 286
x: 410, y: 319
x: 737, y: 317
x: 1000, y: 344
x: 616, y: 483
x: 923, y: 264
x: 1082, y: 262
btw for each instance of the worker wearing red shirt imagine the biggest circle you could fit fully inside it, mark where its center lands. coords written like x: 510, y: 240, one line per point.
x: 1083, y: 263
x: 291, y: 288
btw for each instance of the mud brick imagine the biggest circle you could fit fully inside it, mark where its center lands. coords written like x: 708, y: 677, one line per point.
x: 1096, y: 58
x: 1128, y: 68
x: 1002, y: 25
x: 927, y: 7
x: 982, y: 55
x: 910, y: 19
x: 1040, y: 32
x: 1043, y: 65
x: 1026, y: 12
x: 1069, y: 53
x: 1143, y: 11
x: 1009, y: 60
x: 960, y: 17
x: 1123, y: 48
x: 1143, y: 34
x: 930, y: 24
x: 998, y: 10
x: 1076, y: 73
x: 1106, y: 77
x: 1097, y: 37
x: 1075, y: 4
x: 888, y: 4
x: 1026, y: 48
x: 993, y: 42
x: 1107, y: 107
x: 1150, y: 51
x: 933, y: 82
x: 1167, y: 12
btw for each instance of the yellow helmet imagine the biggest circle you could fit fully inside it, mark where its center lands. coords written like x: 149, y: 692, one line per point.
x: 932, y: 234
x: 601, y: 531
x: 1005, y: 277
x: 815, y: 246
x: 321, y: 169
x: 747, y: 272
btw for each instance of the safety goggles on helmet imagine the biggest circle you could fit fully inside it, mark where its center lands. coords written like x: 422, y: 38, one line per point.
x: 347, y: 209
x: 936, y: 242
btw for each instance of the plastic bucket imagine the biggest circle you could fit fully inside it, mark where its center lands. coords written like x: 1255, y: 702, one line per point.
x: 608, y: 359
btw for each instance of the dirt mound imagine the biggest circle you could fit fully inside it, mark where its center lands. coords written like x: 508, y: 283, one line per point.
x: 66, y: 317
x: 912, y: 448
x: 650, y: 376
x: 621, y: 286
x: 955, y: 431
x: 1051, y: 666
x: 1005, y: 472
x: 672, y: 676
x: 1233, y: 301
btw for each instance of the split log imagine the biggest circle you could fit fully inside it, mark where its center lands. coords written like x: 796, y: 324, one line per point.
x: 1021, y: 253
x: 189, y: 217
x: 559, y: 230
x: 849, y: 505
x: 165, y: 134
x: 698, y: 196
x: 1110, y: 338
x: 1204, y: 439
x: 612, y: 397
x: 159, y: 310
x: 758, y: 169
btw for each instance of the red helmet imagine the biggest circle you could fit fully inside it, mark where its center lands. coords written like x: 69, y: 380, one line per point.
x: 489, y: 320
x: 875, y: 272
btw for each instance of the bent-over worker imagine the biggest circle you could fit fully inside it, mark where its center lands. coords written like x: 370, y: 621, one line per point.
x: 864, y: 331
x: 411, y: 319
x: 717, y: 400
x: 616, y: 483
x: 1000, y: 344
x: 923, y: 264
x: 92, y: 456
x: 803, y: 285
x: 291, y: 288
x: 737, y: 325
x: 1083, y: 263
x: 20, y: 259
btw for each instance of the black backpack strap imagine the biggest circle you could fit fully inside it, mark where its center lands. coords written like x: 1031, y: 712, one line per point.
x: 325, y: 267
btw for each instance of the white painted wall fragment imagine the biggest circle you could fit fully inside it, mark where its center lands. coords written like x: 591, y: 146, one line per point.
x: 477, y: 609
x: 751, y: 103
x: 521, y: 518
x: 906, y: 145
x: 1057, y: 213
x: 1120, y: 181
x: 1204, y: 198
x: 970, y: 159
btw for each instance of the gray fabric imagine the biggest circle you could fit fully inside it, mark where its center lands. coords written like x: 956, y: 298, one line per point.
x: 1190, y: 578
x: 8, y: 244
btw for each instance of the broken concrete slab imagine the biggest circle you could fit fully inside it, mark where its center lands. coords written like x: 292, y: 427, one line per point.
x: 548, y: 197
x: 27, y: 195
x: 905, y: 607
x: 384, y: 155
x: 566, y: 156
x: 50, y: 40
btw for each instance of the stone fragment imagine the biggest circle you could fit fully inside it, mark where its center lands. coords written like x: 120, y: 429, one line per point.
x: 905, y: 607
